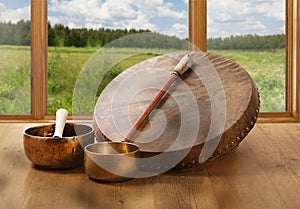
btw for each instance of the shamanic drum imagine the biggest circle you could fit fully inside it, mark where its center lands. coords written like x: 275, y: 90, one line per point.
x: 205, y: 114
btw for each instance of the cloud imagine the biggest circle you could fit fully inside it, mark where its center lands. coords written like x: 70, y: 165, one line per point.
x: 165, y: 10
x: 253, y: 24
x: 14, y: 15
x: 178, y: 30
x: 114, y: 13
x: 269, y: 8
x: 71, y: 22
x: 234, y: 17
x: 228, y: 17
x: 2, y: 7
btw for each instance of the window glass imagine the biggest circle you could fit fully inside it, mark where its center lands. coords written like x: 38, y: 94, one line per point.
x: 79, y: 29
x: 15, y: 57
x: 252, y: 33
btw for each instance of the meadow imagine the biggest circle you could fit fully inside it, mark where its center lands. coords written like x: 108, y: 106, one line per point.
x: 267, y: 68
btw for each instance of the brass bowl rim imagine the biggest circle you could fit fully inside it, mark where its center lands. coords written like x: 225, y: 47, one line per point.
x: 25, y: 132
x: 110, y: 154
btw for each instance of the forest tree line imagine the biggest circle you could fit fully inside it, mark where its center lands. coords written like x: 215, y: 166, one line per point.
x: 15, y: 33
x: 60, y: 35
x: 245, y: 42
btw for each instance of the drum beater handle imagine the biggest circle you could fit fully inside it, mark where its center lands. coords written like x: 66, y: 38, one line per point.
x: 183, y: 65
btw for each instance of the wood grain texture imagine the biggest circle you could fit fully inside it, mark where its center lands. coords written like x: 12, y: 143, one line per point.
x: 297, y: 65
x: 39, y: 58
x: 264, y: 172
x: 198, y: 23
x: 290, y: 50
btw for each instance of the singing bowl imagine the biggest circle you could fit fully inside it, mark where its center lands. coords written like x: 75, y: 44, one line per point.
x: 46, y: 151
x: 111, y: 161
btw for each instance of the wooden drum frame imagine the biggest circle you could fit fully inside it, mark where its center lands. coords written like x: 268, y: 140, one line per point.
x: 242, y: 107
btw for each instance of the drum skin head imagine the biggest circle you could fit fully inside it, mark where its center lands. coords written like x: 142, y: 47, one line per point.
x: 212, y: 107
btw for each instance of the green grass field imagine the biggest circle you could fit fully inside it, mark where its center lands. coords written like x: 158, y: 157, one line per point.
x: 14, y: 80
x: 267, y: 68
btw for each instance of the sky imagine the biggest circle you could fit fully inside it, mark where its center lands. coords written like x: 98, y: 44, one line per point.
x: 225, y: 18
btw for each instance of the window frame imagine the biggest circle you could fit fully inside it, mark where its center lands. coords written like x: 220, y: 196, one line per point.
x: 197, y: 35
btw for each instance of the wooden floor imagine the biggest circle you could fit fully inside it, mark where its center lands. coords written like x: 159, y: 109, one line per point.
x: 263, y: 172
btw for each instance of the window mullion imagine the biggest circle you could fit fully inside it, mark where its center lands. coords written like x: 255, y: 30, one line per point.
x: 39, y: 59
x: 297, y: 62
x: 198, y: 23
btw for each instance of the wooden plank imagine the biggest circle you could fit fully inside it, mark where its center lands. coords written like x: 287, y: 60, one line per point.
x: 190, y: 188
x: 255, y: 174
x: 263, y: 172
x: 14, y: 166
x: 281, y: 161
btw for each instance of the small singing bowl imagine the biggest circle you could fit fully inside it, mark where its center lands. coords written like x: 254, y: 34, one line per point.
x: 46, y: 151
x: 111, y: 161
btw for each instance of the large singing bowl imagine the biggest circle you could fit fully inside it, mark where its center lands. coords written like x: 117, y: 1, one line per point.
x: 46, y: 151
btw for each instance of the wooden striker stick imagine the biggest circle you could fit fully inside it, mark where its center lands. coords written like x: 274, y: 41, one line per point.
x: 183, y: 65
